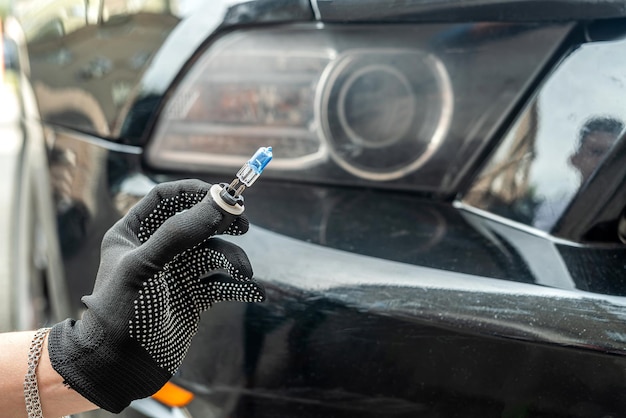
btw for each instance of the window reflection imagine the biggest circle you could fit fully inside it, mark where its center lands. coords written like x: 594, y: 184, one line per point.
x: 504, y: 185
x: 517, y: 184
x: 45, y: 20
x: 594, y: 140
x: 559, y: 141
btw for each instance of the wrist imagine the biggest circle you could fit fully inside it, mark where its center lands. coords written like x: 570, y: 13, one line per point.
x: 109, y: 372
x: 57, y: 399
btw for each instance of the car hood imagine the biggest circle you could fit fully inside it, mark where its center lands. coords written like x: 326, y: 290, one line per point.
x: 467, y: 10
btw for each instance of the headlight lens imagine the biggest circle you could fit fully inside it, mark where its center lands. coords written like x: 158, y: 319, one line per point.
x: 384, y: 113
x: 241, y: 96
x: 399, y: 105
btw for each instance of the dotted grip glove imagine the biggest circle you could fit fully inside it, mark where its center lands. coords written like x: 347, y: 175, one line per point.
x: 159, y: 270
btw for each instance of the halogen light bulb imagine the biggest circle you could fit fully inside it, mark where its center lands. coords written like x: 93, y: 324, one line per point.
x: 253, y: 168
x: 250, y: 171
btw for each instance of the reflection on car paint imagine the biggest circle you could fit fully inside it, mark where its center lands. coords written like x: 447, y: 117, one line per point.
x: 557, y: 143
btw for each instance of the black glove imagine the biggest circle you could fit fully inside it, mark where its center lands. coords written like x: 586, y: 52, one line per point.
x: 159, y: 270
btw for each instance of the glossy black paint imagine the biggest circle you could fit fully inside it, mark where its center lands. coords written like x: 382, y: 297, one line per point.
x: 463, y: 10
x: 305, y: 354
x: 600, y: 270
x: 86, y: 79
x: 406, y: 229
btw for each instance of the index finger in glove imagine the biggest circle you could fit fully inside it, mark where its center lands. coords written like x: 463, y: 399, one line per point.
x: 168, y: 199
x: 184, y: 231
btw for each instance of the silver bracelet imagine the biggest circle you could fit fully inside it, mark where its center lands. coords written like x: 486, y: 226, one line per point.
x: 31, y: 390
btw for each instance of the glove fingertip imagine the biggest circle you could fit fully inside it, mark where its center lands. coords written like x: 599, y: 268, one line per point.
x: 251, y: 292
x: 225, y: 288
x: 257, y: 293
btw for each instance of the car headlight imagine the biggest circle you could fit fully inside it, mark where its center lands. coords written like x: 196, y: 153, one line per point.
x: 400, y: 105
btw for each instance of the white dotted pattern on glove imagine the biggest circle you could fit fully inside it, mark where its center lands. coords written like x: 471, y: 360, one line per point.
x: 167, y: 208
x: 169, y: 304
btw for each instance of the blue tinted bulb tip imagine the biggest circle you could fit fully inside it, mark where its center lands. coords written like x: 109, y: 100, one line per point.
x: 260, y: 159
x: 252, y: 169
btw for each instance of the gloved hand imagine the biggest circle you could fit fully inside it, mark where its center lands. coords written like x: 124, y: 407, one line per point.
x: 158, y: 271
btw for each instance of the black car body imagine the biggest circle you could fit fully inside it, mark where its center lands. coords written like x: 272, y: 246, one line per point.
x: 437, y: 234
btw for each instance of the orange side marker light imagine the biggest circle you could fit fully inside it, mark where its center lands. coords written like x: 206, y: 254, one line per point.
x: 173, y: 396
